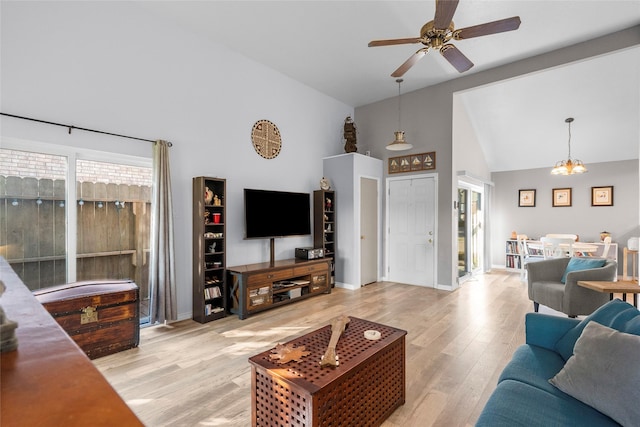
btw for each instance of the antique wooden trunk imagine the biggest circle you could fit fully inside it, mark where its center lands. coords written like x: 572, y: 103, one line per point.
x: 102, y: 317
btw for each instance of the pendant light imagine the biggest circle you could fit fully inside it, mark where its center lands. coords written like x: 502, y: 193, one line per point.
x: 569, y: 166
x: 399, y: 144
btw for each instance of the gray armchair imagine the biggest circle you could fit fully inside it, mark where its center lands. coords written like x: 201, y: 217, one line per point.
x: 545, y: 287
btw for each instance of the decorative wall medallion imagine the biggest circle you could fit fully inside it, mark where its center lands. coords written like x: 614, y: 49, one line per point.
x: 266, y: 140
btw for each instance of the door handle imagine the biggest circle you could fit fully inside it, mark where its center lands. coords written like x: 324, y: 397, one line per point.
x: 430, y: 240
x: 361, y: 237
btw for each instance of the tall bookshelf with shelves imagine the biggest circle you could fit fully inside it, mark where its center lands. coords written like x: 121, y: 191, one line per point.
x: 324, y: 226
x: 209, y: 249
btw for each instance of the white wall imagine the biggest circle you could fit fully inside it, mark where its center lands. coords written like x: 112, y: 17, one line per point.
x: 112, y: 66
x: 467, y: 151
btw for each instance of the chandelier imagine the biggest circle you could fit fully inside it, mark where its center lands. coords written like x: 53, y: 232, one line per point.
x: 569, y: 166
x: 399, y: 144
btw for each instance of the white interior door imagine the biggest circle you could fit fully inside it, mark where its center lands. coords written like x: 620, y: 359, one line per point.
x: 412, y: 225
x: 368, y: 231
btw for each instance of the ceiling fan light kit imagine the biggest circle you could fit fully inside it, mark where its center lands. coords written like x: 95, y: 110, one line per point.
x: 438, y: 33
x: 569, y: 166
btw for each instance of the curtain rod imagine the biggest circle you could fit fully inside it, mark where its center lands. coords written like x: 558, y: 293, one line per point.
x: 71, y: 127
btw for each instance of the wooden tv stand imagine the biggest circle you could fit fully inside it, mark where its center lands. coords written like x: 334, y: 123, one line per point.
x: 258, y: 287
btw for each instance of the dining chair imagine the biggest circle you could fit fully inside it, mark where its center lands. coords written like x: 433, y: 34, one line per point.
x: 606, y: 245
x: 525, y: 255
x: 557, y: 247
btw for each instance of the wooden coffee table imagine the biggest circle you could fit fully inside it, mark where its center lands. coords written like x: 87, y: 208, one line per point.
x: 366, y: 387
x: 621, y: 286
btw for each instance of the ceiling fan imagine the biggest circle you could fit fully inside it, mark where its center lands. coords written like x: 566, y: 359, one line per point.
x: 436, y: 34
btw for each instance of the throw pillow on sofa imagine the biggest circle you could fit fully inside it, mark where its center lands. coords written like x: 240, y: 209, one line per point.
x: 576, y: 264
x: 604, y: 373
x: 616, y: 314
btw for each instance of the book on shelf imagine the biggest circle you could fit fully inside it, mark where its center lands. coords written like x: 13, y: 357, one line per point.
x: 213, y: 292
x: 210, y: 309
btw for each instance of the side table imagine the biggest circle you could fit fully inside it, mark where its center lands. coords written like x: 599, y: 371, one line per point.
x: 621, y: 286
x: 363, y: 390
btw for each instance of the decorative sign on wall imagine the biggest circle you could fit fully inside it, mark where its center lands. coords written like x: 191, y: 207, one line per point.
x: 266, y: 139
x: 412, y: 162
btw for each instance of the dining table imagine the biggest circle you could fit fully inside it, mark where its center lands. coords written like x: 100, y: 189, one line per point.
x: 584, y: 248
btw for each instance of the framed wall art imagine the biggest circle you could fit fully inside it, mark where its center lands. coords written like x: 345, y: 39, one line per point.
x: 527, y: 198
x: 561, y: 197
x: 602, y: 196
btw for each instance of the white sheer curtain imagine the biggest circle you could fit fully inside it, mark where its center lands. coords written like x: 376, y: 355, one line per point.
x: 162, y: 275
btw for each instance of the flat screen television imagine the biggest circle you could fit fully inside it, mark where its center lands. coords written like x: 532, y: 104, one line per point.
x: 269, y: 214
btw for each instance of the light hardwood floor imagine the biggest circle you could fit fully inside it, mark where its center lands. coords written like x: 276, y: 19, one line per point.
x: 188, y: 374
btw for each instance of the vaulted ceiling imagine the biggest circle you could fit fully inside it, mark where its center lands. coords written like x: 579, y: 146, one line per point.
x: 519, y: 123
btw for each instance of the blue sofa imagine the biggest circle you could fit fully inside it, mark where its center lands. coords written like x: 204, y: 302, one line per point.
x: 525, y: 397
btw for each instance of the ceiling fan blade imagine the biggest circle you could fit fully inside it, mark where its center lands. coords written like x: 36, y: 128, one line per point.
x: 413, y: 59
x: 444, y: 13
x: 507, y: 24
x: 391, y: 42
x: 456, y: 58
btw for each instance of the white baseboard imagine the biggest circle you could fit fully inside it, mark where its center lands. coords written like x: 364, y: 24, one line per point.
x: 347, y: 286
x: 184, y: 316
x: 443, y: 287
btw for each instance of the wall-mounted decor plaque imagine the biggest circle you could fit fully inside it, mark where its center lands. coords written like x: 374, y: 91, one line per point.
x: 266, y: 139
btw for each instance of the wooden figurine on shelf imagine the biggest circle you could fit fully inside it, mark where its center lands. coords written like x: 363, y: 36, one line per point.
x: 350, y: 135
x: 208, y: 195
x: 324, y: 184
x: 216, y: 200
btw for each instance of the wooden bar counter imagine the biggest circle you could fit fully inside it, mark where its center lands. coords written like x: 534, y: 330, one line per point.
x: 48, y: 380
